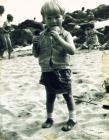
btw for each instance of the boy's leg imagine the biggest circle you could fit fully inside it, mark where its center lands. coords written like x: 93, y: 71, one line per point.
x: 71, y: 105
x: 72, y: 114
x: 50, y: 98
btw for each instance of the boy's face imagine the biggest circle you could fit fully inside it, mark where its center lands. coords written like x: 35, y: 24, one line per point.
x: 54, y: 20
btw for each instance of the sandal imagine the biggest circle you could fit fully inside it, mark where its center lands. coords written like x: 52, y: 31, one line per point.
x: 48, y: 123
x: 68, y: 125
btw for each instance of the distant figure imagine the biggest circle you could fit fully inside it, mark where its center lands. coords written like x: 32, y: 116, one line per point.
x: 7, y: 26
x: 82, y: 13
x: 55, y: 47
x: 2, y: 45
x: 34, y: 18
x: 92, y: 41
x: 83, y: 9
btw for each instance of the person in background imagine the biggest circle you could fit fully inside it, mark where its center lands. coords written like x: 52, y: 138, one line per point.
x: 54, y: 50
x: 2, y: 31
x: 92, y: 41
x: 7, y: 26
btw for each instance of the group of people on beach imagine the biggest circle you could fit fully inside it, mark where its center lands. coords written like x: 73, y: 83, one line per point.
x: 5, y: 29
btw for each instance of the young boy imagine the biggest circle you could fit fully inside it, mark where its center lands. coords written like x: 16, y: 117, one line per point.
x: 54, y: 50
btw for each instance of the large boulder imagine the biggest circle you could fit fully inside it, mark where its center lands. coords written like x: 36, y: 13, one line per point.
x: 23, y: 33
x: 30, y: 23
x: 101, y: 12
x: 22, y: 37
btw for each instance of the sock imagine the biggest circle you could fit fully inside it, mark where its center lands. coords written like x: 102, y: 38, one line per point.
x: 72, y: 115
x: 49, y: 115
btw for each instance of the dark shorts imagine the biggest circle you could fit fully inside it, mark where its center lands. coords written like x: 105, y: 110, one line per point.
x: 57, y: 81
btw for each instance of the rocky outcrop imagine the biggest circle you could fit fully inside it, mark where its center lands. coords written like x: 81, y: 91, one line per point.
x: 23, y: 33
x: 101, y: 12
x: 22, y: 37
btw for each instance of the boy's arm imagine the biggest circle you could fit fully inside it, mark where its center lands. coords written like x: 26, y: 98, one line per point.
x: 71, y: 45
x: 35, y: 48
x: 67, y: 44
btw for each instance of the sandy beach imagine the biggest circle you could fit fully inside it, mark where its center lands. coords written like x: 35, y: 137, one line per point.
x: 22, y: 99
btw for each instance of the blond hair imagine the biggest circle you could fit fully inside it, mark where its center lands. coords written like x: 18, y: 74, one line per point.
x: 52, y: 7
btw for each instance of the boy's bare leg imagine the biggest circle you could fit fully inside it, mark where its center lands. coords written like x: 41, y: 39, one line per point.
x: 50, y: 98
x: 72, y: 113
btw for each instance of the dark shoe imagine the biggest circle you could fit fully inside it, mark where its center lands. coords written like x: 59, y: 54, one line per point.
x: 68, y: 125
x: 48, y: 123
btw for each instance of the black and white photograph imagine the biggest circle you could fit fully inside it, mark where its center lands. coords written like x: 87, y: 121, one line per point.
x: 54, y: 70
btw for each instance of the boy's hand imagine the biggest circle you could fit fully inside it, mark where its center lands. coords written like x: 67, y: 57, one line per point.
x: 55, y: 35
x: 35, y: 39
